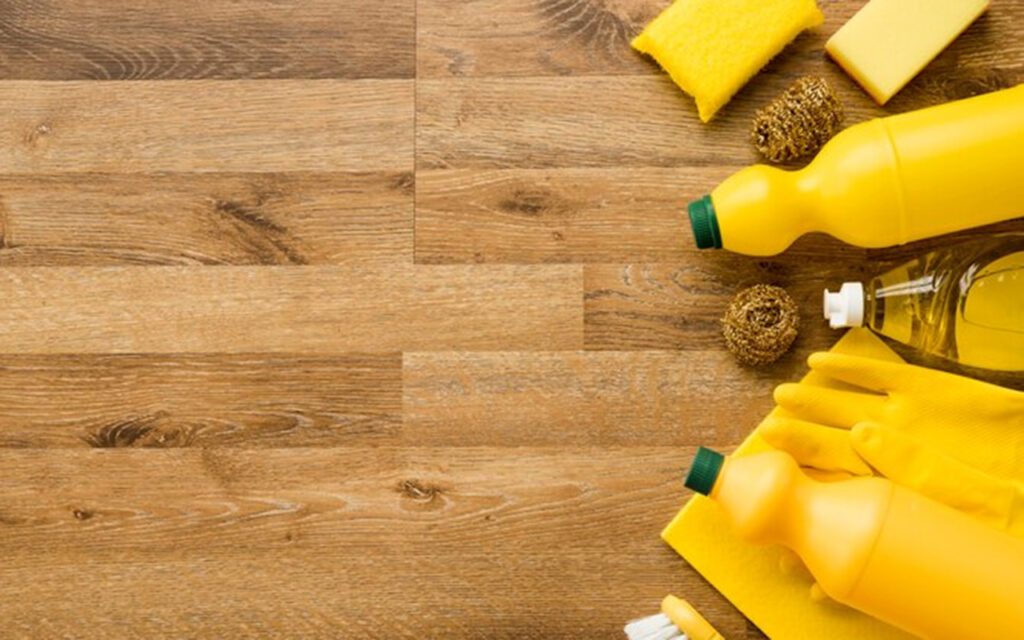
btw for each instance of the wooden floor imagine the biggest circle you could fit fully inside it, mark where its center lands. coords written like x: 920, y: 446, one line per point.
x: 375, y: 318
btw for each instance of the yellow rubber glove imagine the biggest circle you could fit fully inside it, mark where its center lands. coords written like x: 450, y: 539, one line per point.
x: 957, y: 440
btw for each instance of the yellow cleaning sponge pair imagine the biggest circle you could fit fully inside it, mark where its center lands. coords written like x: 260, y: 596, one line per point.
x: 712, y: 47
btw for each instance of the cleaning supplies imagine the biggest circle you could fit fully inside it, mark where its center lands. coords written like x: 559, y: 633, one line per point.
x: 677, y: 620
x: 799, y: 122
x: 964, y: 302
x: 760, y: 324
x: 952, y: 438
x: 780, y: 602
x: 712, y: 47
x: 879, y: 183
x: 888, y: 42
x: 875, y: 546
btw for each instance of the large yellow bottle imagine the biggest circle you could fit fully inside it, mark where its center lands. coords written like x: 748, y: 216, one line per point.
x: 880, y: 183
x: 876, y: 546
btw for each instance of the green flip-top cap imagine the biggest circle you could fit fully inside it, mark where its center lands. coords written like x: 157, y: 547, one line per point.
x: 704, y: 223
x: 704, y: 471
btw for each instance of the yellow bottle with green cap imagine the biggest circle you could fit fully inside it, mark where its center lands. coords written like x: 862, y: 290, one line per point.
x: 880, y: 183
x: 876, y: 546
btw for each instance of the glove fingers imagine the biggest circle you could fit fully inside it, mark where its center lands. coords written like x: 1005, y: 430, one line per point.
x: 814, y: 445
x: 828, y: 406
x: 868, y: 373
x: 930, y: 472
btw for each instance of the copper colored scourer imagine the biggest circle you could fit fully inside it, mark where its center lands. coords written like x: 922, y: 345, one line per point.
x: 799, y: 122
x: 760, y: 324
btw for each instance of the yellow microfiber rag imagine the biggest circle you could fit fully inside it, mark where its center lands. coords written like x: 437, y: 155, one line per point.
x: 750, y: 576
x: 712, y: 47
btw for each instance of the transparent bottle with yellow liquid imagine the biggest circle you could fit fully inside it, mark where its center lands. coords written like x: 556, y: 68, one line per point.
x: 880, y: 183
x: 876, y: 546
x: 964, y: 302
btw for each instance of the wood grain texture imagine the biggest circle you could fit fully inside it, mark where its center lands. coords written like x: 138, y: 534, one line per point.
x: 572, y: 399
x: 284, y: 310
x: 593, y: 121
x: 206, y: 219
x: 247, y: 545
x: 352, y: 319
x: 242, y: 125
x: 531, y: 37
x: 180, y: 39
x: 568, y: 215
x: 199, y: 401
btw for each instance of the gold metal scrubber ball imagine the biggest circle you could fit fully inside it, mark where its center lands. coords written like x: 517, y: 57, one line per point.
x: 760, y: 325
x: 799, y: 122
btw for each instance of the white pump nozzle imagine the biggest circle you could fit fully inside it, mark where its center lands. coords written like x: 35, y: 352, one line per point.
x: 845, y: 308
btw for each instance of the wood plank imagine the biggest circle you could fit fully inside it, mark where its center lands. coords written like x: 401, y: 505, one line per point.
x: 591, y: 37
x: 156, y: 39
x: 405, y: 592
x: 289, y: 310
x: 204, y: 125
x: 531, y: 38
x: 474, y: 543
x: 187, y: 219
x: 557, y: 215
x: 199, y: 400
x: 593, y: 121
x: 571, y: 399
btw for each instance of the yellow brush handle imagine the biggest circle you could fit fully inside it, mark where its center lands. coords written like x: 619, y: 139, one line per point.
x: 684, y: 616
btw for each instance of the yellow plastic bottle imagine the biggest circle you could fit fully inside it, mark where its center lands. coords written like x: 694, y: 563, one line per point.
x: 876, y: 546
x: 880, y: 183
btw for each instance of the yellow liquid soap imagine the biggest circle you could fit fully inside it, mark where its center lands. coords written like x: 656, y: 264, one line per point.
x: 964, y: 303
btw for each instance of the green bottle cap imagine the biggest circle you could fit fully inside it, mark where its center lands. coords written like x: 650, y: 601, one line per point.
x: 704, y: 223
x: 704, y: 471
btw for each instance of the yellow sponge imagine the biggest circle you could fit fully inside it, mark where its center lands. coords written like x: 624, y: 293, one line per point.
x: 888, y: 42
x: 712, y: 47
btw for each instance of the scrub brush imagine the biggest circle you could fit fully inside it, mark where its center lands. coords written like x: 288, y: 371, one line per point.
x: 677, y: 620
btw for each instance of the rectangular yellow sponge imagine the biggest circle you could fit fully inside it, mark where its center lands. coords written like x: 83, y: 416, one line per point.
x: 712, y: 47
x: 888, y: 42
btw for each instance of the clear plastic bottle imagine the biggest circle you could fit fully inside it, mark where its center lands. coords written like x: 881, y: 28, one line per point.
x: 964, y: 303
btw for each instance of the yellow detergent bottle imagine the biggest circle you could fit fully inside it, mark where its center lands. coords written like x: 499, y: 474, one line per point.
x: 880, y: 183
x: 964, y: 302
x: 876, y: 546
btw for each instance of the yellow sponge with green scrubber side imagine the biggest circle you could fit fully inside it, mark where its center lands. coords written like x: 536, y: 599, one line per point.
x: 712, y: 47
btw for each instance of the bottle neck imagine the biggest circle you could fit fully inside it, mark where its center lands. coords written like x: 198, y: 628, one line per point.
x: 761, y: 496
x: 761, y: 210
x: 832, y: 526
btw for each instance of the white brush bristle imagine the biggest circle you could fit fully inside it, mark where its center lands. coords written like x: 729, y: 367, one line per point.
x: 656, y: 627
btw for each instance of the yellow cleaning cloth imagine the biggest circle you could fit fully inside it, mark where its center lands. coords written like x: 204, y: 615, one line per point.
x: 712, y: 47
x: 750, y: 576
